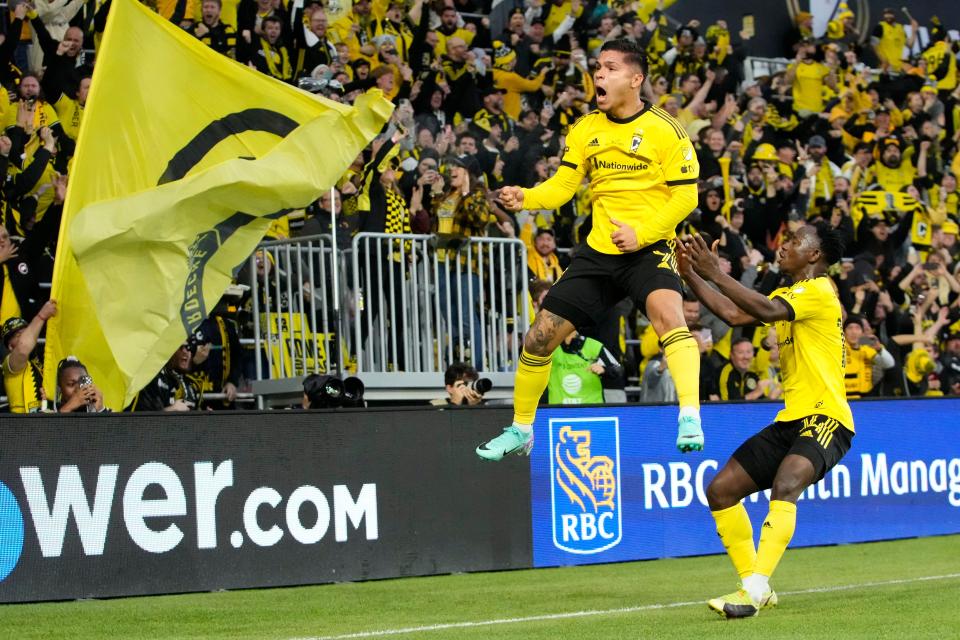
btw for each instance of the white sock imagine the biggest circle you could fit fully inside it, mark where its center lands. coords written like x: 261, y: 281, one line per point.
x: 692, y: 412
x: 524, y: 428
x: 757, y: 585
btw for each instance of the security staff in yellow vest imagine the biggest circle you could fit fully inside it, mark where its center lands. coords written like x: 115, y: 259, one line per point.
x: 22, y: 368
x: 864, y: 355
x: 738, y: 381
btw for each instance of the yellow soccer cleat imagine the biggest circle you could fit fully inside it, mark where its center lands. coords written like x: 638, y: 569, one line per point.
x: 738, y: 604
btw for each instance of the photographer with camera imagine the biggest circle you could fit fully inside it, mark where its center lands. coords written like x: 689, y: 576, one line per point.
x: 464, y: 386
x: 76, y: 390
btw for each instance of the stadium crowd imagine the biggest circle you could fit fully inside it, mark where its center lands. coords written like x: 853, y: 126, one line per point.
x: 853, y: 130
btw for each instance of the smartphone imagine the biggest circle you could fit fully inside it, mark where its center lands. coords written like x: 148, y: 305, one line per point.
x: 749, y: 28
x: 930, y: 266
x: 865, y: 340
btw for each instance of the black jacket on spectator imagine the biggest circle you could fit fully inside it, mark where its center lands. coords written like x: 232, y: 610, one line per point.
x: 34, y: 261
x: 161, y: 392
x: 464, y: 97
x: 247, y: 20
x: 223, y: 364
x: 9, y: 73
x: 709, y: 166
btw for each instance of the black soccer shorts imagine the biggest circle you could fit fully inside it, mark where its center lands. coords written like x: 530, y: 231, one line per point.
x: 594, y: 282
x: 821, y: 440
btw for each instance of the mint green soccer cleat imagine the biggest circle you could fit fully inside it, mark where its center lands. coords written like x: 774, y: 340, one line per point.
x: 690, y: 435
x: 738, y: 604
x: 512, y: 440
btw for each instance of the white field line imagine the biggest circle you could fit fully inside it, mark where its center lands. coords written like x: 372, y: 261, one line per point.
x: 610, y: 612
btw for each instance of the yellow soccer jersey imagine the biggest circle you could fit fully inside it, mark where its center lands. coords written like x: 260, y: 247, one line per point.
x: 23, y: 388
x: 44, y: 115
x: 858, y: 372
x: 891, y: 43
x: 632, y: 165
x: 808, y: 86
x: 935, y: 56
x: 70, y: 112
x: 812, y: 353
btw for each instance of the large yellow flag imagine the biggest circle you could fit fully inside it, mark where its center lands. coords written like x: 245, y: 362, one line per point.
x: 184, y: 158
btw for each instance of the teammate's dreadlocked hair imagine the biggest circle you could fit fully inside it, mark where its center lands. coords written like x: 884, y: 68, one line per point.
x: 831, y: 242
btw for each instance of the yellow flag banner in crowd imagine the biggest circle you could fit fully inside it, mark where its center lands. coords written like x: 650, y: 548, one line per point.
x: 184, y: 158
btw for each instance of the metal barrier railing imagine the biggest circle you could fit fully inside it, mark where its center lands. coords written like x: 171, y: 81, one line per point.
x: 295, y: 329
x: 409, y: 306
x: 757, y: 67
x: 422, y: 303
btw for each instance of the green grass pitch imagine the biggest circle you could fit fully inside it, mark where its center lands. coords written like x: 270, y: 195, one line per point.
x: 901, y: 589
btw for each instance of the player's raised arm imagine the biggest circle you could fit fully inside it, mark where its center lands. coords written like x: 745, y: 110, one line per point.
x: 751, y: 305
x: 722, y: 306
x: 559, y: 188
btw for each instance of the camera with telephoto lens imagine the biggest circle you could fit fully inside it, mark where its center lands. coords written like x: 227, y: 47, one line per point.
x: 326, y: 391
x: 480, y: 385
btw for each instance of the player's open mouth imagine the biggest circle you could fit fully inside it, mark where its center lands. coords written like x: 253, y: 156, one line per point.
x: 601, y: 92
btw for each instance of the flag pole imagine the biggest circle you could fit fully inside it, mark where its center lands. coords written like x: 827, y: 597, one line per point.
x: 336, y: 282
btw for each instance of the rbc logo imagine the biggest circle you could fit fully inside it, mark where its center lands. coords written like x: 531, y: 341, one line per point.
x: 585, y: 484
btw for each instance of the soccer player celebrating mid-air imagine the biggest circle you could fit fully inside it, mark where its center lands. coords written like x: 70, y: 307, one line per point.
x: 643, y: 181
x: 815, y: 428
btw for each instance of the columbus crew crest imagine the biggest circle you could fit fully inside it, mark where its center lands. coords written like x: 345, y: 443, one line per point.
x: 637, y: 139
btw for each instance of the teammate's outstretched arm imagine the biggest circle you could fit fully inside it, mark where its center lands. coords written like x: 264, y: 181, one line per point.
x: 751, y: 306
x: 721, y: 306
